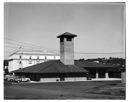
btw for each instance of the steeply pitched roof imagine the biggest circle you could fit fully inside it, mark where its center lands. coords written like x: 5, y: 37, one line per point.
x: 54, y: 66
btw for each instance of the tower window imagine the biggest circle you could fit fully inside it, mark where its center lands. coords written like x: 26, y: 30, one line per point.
x: 61, y: 39
x: 69, y: 39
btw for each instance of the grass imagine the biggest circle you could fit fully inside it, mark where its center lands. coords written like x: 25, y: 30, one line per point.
x: 65, y: 90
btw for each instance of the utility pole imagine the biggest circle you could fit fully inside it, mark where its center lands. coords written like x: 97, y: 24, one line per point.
x: 21, y: 60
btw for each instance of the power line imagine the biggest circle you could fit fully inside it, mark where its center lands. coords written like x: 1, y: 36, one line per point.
x: 33, y: 47
x: 28, y: 44
x: 100, y: 52
x: 38, y: 50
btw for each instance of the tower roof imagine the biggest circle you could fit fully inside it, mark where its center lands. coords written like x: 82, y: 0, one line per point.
x: 67, y: 34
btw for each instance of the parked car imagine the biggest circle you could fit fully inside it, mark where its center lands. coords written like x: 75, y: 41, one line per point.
x: 24, y: 79
x: 13, y: 78
x: 6, y: 77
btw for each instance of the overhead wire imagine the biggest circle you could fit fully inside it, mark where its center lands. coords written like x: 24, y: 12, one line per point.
x: 10, y: 43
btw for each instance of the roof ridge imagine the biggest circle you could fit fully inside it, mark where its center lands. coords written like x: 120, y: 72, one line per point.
x: 58, y: 64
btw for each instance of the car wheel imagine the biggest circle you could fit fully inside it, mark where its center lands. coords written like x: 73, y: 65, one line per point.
x: 11, y: 80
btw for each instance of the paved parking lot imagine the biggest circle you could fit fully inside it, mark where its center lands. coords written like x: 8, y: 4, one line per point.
x: 65, y: 90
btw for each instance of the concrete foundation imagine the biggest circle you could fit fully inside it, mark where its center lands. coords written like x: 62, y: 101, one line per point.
x: 67, y: 79
x: 49, y: 79
x: 123, y: 77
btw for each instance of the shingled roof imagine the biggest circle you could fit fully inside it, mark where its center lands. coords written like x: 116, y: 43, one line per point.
x: 56, y: 66
x: 53, y: 66
x: 89, y: 64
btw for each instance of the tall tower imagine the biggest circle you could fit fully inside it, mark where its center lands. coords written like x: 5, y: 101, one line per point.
x: 67, y: 48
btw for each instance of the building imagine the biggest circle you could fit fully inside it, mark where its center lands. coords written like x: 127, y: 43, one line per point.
x: 57, y: 70
x: 68, y: 69
x: 100, y: 70
x: 22, y: 59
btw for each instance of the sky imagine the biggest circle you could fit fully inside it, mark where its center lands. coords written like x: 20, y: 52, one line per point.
x: 100, y: 27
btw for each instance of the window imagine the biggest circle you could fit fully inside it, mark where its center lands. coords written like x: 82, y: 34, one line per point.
x: 69, y: 39
x: 30, y: 57
x: 45, y: 57
x: 30, y: 62
x: 19, y: 62
x: 20, y: 57
x: 37, y: 57
x: 38, y: 61
x: 61, y: 39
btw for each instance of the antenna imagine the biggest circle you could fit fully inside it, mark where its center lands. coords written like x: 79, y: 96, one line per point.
x: 16, y: 50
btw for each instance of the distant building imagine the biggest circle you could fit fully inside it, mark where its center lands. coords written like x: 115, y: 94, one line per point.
x: 22, y: 59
